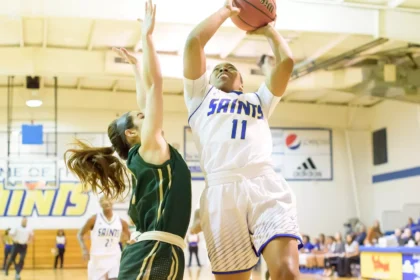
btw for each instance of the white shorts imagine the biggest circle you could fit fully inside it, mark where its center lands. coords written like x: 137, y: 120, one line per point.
x: 104, y: 267
x: 241, y: 214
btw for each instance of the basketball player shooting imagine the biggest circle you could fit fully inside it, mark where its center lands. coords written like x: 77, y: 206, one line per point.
x: 106, y: 229
x: 160, y: 205
x: 247, y: 209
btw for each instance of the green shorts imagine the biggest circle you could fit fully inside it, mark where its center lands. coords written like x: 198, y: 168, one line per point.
x: 152, y: 260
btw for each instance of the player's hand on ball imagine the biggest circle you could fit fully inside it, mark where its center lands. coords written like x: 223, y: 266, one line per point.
x: 127, y: 56
x: 149, y: 18
x: 233, y: 10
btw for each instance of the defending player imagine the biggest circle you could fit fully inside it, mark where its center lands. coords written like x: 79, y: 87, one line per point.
x: 160, y: 206
x: 106, y: 230
x: 247, y: 209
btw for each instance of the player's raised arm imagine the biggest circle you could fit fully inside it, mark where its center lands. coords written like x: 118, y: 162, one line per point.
x: 278, y: 78
x: 151, y: 132
x: 194, y: 57
x: 130, y: 58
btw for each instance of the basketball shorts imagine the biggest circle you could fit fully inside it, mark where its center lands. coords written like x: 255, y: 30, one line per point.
x: 241, y: 213
x: 104, y: 267
x: 152, y: 260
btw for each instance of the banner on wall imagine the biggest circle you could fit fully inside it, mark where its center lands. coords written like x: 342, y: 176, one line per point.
x: 299, y: 154
x: 32, y: 189
x: 381, y: 265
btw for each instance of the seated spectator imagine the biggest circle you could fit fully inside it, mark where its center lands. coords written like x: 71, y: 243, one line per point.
x: 307, y: 245
x: 331, y: 259
x: 410, y: 223
x: 321, y: 241
x: 350, y: 257
x: 361, y: 235
x: 310, y: 257
x: 317, y: 245
x: 374, y: 233
x: 398, y: 236
x: 305, y: 251
x: 407, y: 237
x: 417, y: 238
x: 366, y: 243
x: 319, y: 255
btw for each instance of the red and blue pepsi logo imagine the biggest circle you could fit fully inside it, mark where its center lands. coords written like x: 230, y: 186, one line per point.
x: 293, y: 141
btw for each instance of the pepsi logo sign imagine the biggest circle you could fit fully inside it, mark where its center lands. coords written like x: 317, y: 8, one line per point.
x: 292, y: 141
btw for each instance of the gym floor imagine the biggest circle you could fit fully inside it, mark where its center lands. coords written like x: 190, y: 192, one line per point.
x: 72, y: 274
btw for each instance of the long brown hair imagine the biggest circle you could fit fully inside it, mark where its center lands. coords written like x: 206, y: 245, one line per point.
x: 97, y: 167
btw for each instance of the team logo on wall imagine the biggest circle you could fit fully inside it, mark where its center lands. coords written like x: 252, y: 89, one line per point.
x: 307, y: 170
x: 292, y: 141
x: 29, y: 188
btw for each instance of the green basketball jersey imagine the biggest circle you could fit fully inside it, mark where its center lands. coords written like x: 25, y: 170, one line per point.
x: 161, y: 198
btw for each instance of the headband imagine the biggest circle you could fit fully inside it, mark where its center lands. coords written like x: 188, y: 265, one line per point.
x: 121, y: 124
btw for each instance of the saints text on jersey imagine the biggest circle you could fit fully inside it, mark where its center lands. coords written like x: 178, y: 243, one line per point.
x: 108, y: 232
x: 235, y: 106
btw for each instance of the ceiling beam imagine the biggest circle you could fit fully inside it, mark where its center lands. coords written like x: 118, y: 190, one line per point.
x: 323, y: 98
x: 229, y: 46
x: 356, y: 98
x: 359, y: 5
x: 360, y: 57
x: 79, y: 84
x: 22, y: 32
x: 343, y: 18
x: 41, y: 82
x: 341, y: 15
x: 114, y: 87
x: 395, y: 3
x: 91, y: 36
x: 300, y: 72
x: 138, y: 45
x: 288, y: 96
x: 45, y: 33
x: 81, y: 64
x: 323, y: 50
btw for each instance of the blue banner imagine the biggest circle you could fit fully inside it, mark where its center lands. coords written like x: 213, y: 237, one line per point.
x: 411, y: 267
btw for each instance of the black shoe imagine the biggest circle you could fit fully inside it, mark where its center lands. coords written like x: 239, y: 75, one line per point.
x: 6, y: 273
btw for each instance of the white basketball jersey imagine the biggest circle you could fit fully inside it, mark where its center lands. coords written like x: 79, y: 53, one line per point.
x: 105, y: 236
x: 231, y: 130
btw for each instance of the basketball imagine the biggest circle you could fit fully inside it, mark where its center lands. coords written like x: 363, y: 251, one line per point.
x: 254, y: 13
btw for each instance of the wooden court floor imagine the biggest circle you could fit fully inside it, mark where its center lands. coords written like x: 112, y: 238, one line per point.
x: 80, y: 274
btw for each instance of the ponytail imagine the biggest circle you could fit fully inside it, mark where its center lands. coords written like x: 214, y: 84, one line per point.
x: 98, y: 169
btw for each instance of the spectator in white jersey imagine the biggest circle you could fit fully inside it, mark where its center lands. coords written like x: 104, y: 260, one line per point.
x: 193, y: 241
x: 60, y: 243
x: 106, y: 229
x: 21, y: 236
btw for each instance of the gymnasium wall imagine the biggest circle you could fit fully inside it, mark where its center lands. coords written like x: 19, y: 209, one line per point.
x: 316, y: 199
x: 393, y: 190
x: 360, y: 145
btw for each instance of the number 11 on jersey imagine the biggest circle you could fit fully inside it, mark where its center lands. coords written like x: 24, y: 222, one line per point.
x: 235, y: 128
